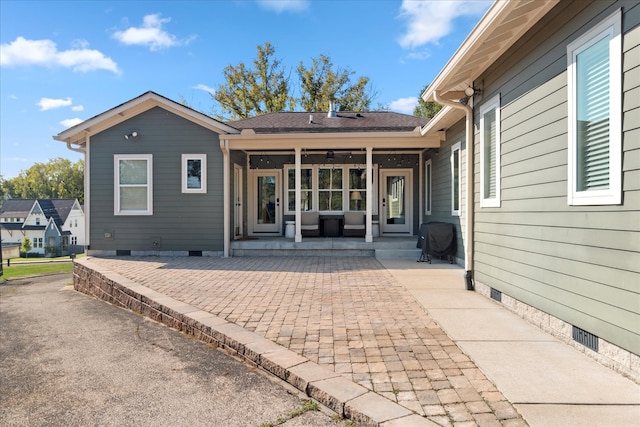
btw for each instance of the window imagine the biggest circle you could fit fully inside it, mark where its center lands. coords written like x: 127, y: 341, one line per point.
x: 306, y: 176
x: 330, y: 189
x: 455, y: 179
x: 74, y: 240
x: 37, y: 242
x: 427, y: 187
x: 357, y: 189
x: 194, y: 173
x: 490, y: 153
x: 133, y: 184
x: 594, y: 63
x: 37, y: 220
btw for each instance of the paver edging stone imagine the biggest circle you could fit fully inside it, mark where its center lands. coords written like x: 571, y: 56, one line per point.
x: 300, y: 376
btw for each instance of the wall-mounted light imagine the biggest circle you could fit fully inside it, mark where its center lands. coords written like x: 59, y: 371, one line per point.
x: 131, y: 135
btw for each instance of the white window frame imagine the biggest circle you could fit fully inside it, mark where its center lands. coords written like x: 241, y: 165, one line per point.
x: 312, y: 190
x: 203, y: 173
x: 456, y: 147
x: 485, y: 201
x: 116, y: 175
x: 428, y: 168
x: 611, y: 28
x: 345, y: 187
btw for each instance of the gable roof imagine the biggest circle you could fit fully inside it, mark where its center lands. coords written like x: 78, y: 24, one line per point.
x: 76, y: 135
x: 57, y: 209
x: 12, y: 208
x: 319, y: 122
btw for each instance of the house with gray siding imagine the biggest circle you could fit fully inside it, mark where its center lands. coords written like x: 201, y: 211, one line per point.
x: 163, y: 178
x: 543, y: 100
x: 534, y: 159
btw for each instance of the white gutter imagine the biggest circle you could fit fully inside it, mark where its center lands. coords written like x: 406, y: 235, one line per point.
x: 468, y: 241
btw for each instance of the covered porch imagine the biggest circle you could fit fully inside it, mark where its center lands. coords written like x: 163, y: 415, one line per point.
x: 363, y: 165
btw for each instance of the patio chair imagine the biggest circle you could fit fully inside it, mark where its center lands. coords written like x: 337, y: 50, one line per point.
x: 354, y: 225
x: 310, y: 224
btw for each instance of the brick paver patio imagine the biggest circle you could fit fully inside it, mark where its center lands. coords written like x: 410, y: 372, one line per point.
x: 348, y: 314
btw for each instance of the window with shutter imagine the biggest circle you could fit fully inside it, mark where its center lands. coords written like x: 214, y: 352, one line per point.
x: 490, y: 153
x: 595, y: 118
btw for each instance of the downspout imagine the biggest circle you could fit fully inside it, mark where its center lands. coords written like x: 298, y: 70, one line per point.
x: 468, y: 247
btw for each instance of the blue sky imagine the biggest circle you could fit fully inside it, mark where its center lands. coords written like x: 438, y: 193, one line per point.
x: 62, y: 62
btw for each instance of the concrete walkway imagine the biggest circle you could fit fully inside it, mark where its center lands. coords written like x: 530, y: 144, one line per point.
x: 548, y: 382
x: 413, y: 345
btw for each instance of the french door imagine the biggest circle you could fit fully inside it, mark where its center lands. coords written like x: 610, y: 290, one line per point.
x: 396, y: 201
x: 267, y: 209
x: 237, y: 202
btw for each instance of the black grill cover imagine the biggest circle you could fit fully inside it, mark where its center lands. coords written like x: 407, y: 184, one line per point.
x: 438, y: 239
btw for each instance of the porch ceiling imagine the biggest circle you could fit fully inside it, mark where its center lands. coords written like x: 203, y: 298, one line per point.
x: 340, y: 141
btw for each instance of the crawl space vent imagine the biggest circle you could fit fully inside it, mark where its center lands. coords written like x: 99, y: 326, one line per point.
x: 496, y: 295
x: 585, y: 338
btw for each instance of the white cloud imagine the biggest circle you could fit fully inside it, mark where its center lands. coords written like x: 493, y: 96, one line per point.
x: 70, y: 122
x: 429, y: 21
x: 50, y: 103
x: 77, y: 108
x: 45, y: 53
x: 150, y: 34
x: 205, y: 88
x: 404, y: 105
x: 285, y: 5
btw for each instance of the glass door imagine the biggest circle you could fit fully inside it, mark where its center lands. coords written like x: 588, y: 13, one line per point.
x: 396, y: 202
x: 267, y: 212
x: 237, y: 202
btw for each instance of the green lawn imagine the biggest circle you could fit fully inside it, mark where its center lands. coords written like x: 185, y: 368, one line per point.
x: 17, y: 270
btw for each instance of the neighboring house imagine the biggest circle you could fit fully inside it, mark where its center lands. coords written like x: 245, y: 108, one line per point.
x: 552, y: 113
x: 547, y: 227
x: 49, y: 224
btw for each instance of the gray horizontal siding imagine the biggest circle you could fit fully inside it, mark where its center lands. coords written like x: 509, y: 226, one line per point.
x: 182, y: 221
x: 578, y: 263
x: 441, y: 186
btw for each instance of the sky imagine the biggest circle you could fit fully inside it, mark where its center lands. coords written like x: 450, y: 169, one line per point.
x: 63, y: 62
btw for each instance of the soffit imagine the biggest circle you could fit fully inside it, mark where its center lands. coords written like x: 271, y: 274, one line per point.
x: 503, y: 24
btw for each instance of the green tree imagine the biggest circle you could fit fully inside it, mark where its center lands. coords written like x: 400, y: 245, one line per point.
x: 56, y: 179
x: 264, y: 87
x: 322, y: 83
x: 26, y: 246
x: 426, y: 109
x: 250, y: 91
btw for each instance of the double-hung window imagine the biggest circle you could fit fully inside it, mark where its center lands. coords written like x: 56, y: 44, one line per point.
x: 490, y: 153
x: 357, y: 189
x: 133, y: 187
x: 455, y: 180
x: 330, y: 189
x: 594, y: 69
x: 306, y: 189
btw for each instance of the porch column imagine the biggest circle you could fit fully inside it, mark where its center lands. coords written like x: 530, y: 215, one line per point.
x: 369, y: 235
x: 298, y: 237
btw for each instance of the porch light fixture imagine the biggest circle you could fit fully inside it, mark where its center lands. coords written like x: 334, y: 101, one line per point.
x: 131, y: 135
x: 330, y: 156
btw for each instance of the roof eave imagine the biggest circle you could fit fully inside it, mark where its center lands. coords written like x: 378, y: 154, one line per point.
x: 77, y: 134
x: 500, y: 13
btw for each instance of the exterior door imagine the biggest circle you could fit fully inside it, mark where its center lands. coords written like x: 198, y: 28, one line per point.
x: 396, y: 202
x: 237, y: 202
x: 267, y: 210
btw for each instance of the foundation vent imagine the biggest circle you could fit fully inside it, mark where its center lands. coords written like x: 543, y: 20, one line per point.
x: 496, y: 295
x: 195, y: 253
x: 123, y: 252
x: 585, y: 338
